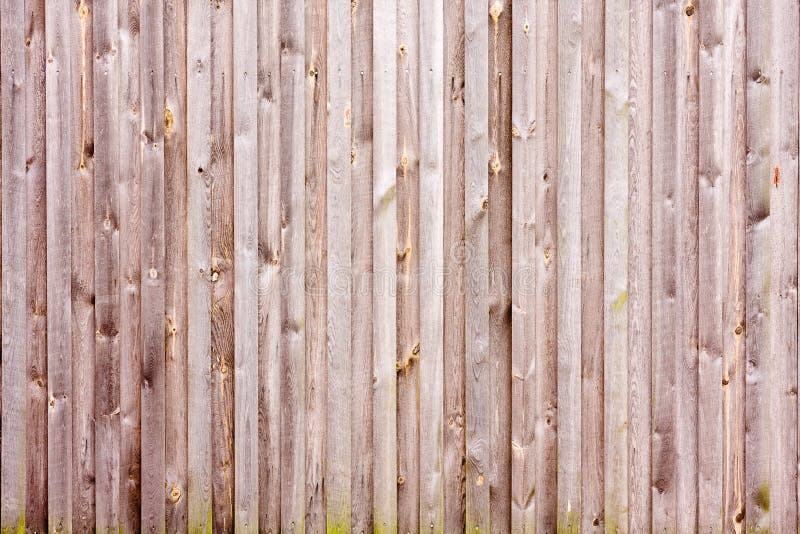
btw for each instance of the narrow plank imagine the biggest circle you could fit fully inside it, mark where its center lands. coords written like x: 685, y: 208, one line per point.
x: 271, y: 257
x: 198, y: 251
x: 687, y: 276
x: 783, y: 145
x: 292, y: 305
x: 384, y: 232
x: 615, y: 265
x: 640, y: 76
x: 245, y: 243
x: 339, y: 275
x: 712, y: 244
x: 431, y: 266
x: 35, y: 115
x: 592, y: 317
x: 106, y: 261
x: 130, y: 341
x: 153, y: 324
x: 222, y: 267
x: 316, y: 94
x: 499, y: 180
x: 523, y: 274
x: 734, y: 303
x: 60, y: 134
x: 454, y: 364
x: 408, y: 297
x: 83, y: 290
x: 361, y: 161
x: 175, y: 205
x: 546, y: 353
x: 569, y: 265
x: 476, y: 203
x: 13, y: 482
x: 665, y: 292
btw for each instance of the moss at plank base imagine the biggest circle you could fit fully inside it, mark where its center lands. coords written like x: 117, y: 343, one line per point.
x: 198, y: 529
x: 569, y: 524
x: 18, y: 529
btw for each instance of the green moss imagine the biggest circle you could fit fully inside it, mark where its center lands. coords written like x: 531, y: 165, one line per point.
x: 18, y: 529
x: 619, y: 304
x: 569, y: 524
x: 761, y: 498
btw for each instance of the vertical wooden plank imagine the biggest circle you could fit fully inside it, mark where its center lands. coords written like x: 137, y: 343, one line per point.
x: 83, y: 291
x: 361, y: 162
x: 60, y: 135
x: 454, y: 372
x: 245, y: 243
x: 640, y: 76
x: 782, y: 75
x: 408, y: 348
x: 664, y: 268
x: 569, y: 265
x: 615, y: 265
x: 546, y: 154
x: 712, y: 244
x: 13, y: 482
x: 175, y: 259
x: 592, y: 320
x: 734, y: 267
x: 36, y: 443
x: 151, y: 72
x: 222, y: 266
x: 523, y: 241
x: 316, y: 265
x: 130, y: 160
x: 499, y: 214
x: 431, y: 265
x: 106, y: 260
x: 384, y: 232
x: 476, y: 204
x: 292, y: 307
x: 339, y: 275
x: 198, y: 250
x: 270, y: 248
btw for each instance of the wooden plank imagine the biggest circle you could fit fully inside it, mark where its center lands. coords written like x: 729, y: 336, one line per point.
x: 734, y: 303
x: 271, y: 251
x: 13, y: 482
x: 60, y: 134
x: 783, y: 144
x: 476, y: 204
x: 361, y: 161
x: 569, y: 265
x: 316, y: 265
x: 639, y: 265
x: 408, y: 348
x: 712, y: 244
x: 431, y: 266
x: 523, y: 241
x: 106, y: 261
x: 292, y: 305
x: 35, y: 113
x: 454, y: 364
x: 546, y: 155
x: 339, y: 275
x: 222, y: 267
x: 198, y: 250
x: 592, y: 317
x: 130, y: 160
x: 245, y: 243
x: 151, y: 72
x: 615, y: 265
x: 384, y: 232
x: 83, y: 291
x: 499, y: 182
x: 664, y: 268
x: 175, y: 205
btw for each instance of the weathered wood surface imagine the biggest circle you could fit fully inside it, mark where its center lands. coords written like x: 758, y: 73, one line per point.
x: 387, y: 266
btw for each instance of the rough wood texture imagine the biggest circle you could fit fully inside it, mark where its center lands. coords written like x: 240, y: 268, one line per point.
x: 387, y: 266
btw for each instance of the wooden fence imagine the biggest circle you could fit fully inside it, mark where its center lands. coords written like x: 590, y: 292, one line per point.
x: 399, y: 266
